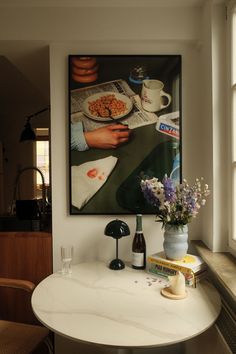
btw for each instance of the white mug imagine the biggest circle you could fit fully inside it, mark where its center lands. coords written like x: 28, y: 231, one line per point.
x: 151, y: 96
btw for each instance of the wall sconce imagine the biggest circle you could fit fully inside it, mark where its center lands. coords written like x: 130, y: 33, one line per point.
x: 28, y: 134
x: 117, y: 229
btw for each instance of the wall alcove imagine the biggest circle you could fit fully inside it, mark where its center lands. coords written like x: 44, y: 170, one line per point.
x: 24, y: 90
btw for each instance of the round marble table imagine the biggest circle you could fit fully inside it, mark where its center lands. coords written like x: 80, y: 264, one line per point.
x: 122, y: 309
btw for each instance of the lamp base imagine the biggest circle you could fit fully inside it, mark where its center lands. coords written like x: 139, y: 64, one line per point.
x: 117, y: 264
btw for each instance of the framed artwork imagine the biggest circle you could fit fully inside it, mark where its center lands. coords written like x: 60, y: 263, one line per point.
x: 124, y: 124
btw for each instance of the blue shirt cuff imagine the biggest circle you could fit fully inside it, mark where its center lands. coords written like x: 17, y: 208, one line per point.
x: 78, y: 141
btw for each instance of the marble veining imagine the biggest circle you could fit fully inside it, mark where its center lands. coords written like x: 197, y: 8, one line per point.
x: 121, y: 308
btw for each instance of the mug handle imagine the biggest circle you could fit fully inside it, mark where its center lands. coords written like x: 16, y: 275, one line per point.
x: 168, y: 97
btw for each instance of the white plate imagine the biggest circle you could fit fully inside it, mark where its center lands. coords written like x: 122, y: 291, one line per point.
x: 118, y: 96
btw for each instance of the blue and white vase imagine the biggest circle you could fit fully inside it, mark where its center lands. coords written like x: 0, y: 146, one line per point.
x: 175, y: 243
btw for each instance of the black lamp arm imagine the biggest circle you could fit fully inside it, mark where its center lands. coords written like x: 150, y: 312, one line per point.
x: 36, y: 113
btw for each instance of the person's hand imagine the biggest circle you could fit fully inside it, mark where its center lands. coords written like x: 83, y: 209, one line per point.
x: 109, y: 137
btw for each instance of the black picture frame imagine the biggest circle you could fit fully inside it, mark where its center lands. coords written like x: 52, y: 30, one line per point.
x: 107, y: 180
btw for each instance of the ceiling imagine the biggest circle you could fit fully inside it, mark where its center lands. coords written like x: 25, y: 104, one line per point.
x: 102, y: 3
x: 31, y: 59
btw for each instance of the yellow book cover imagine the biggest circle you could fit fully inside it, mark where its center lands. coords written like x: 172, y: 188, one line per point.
x: 189, y: 264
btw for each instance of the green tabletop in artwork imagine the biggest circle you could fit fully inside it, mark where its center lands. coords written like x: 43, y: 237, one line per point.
x: 148, y: 152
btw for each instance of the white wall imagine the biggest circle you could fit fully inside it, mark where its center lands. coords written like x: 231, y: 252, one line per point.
x: 86, y: 233
x: 136, y: 28
x: 126, y: 29
x: 214, y: 124
x: 110, y: 29
x: 99, y: 22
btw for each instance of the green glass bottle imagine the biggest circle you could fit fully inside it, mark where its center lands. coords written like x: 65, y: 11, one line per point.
x: 139, y: 246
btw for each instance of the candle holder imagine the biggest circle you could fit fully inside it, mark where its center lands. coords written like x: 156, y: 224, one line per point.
x: 176, y: 290
x: 117, y: 229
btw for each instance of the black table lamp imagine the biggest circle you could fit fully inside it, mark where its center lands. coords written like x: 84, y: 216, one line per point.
x: 117, y: 229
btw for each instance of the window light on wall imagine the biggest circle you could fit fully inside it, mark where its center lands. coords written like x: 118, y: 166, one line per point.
x: 42, y: 154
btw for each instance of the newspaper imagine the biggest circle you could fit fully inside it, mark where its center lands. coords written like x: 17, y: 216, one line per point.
x: 137, y: 118
x: 169, y: 124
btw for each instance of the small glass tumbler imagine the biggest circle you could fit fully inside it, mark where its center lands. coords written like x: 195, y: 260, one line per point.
x: 66, y: 258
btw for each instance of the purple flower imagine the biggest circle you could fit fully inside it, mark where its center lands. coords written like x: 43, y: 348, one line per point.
x: 175, y: 204
x: 150, y: 197
x: 153, y: 191
x: 169, y: 189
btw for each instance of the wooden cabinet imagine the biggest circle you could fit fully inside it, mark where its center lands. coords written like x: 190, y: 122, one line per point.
x: 23, y: 255
x: 1, y: 180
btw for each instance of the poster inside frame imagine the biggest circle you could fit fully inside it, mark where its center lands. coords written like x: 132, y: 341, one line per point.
x: 124, y: 123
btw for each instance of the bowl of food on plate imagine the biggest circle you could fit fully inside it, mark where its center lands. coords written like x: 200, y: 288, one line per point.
x: 107, y: 106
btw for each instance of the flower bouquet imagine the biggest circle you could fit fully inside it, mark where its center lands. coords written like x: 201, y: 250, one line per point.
x: 175, y: 205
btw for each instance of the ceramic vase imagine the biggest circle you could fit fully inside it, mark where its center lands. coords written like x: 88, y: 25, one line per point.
x: 175, y: 243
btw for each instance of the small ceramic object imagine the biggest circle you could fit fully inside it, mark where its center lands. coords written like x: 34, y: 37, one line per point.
x: 177, y: 284
x: 167, y: 293
x: 176, y: 290
x: 175, y: 243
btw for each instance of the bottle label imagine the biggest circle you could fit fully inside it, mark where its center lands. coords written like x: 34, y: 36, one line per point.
x: 138, y: 259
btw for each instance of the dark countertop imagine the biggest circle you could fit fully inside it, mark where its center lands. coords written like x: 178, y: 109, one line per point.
x: 12, y: 223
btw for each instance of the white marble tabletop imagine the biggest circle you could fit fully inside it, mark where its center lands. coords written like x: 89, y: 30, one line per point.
x: 122, y: 309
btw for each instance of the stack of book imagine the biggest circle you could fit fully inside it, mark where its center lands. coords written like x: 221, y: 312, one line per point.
x: 193, y: 267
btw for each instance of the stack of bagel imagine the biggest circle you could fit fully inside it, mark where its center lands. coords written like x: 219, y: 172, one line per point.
x: 84, y: 69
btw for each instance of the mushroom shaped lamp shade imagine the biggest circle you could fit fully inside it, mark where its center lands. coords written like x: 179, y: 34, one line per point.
x: 117, y: 229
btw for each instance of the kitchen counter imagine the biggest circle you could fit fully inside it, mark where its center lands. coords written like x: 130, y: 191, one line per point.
x: 12, y: 223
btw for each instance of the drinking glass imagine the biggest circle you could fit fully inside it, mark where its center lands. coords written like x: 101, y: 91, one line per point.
x: 66, y: 258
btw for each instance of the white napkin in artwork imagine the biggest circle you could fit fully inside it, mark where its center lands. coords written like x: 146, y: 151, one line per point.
x: 88, y: 178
